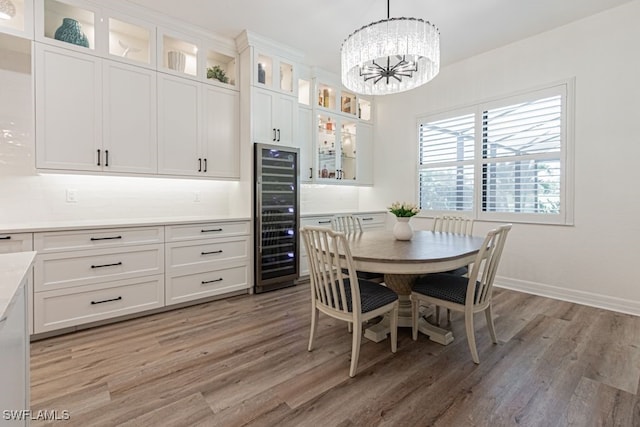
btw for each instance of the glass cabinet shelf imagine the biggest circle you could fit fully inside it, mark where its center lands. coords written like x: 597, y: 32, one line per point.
x: 69, y: 24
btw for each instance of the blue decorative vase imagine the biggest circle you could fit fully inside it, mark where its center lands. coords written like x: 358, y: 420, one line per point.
x: 71, y: 32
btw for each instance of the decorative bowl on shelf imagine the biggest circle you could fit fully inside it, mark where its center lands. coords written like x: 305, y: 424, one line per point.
x: 71, y: 32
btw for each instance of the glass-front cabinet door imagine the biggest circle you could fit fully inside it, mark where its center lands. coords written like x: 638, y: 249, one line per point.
x: 327, y: 141
x: 219, y: 67
x: 16, y: 17
x: 179, y: 55
x: 68, y: 24
x: 272, y: 72
x: 131, y: 42
x: 348, y: 166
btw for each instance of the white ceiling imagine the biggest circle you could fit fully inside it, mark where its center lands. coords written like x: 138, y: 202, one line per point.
x: 317, y: 28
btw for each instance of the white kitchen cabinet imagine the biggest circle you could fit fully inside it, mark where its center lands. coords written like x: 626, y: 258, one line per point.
x: 68, y: 110
x: 274, y: 118
x: 304, y: 141
x: 274, y: 72
x: 364, y: 158
x: 205, y: 260
x: 81, y: 276
x: 199, y: 128
x: 14, y: 337
x: 21, y: 242
x: 129, y: 123
x: 93, y: 114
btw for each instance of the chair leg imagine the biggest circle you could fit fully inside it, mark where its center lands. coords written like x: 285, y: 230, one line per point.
x: 492, y: 329
x: 355, y: 350
x: 350, y: 327
x: 394, y: 329
x: 415, y: 308
x: 471, y: 337
x: 314, y: 321
x: 437, y: 315
x: 448, y: 316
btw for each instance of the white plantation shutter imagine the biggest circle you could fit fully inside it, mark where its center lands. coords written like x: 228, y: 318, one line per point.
x: 501, y: 160
x: 446, y: 163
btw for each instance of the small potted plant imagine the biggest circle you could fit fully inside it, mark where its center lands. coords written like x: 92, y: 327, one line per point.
x: 403, y: 211
x: 217, y: 73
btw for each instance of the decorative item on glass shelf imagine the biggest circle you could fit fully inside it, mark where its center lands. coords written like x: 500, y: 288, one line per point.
x: 261, y: 73
x: 403, y: 211
x: 216, y: 72
x: 71, y: 32
x: 176, y: 60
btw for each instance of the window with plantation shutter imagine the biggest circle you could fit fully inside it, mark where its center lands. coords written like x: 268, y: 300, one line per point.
x: 501, y: 160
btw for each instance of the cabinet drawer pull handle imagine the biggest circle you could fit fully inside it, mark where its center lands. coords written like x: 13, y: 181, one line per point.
x: 105, y: 300
x: 98, y: 157
x: 211, y: 230
x: 5, y: 238
x: 324, y: 222
x: 211, y: 281
x: 212, y: 252
x: 107, y: 265
x: 367, y: 219
x: 105, y: 238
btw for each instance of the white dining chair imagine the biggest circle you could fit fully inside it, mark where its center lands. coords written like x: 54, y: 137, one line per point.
x: 344, y: 297
x: 469, y: 295
x: 458, y: 225
x: 347, y: 224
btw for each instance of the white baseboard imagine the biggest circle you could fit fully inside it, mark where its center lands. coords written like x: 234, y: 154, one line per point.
x: 579, y: 297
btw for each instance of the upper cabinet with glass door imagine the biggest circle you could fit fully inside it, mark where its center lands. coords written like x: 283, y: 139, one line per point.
x: 331, y: 96
x: 196, y: 58
x: 130, y: 40
x: 16, y: 18
x: 70, y: 24
x: 275, y: 73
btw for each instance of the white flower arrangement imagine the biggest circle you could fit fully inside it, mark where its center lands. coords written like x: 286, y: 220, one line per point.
x: 404, y: 209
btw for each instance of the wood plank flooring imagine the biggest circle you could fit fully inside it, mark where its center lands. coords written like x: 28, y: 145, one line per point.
x: 243, y: 361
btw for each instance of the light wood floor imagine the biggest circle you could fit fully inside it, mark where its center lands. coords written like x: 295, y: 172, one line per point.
x: 243, y: 361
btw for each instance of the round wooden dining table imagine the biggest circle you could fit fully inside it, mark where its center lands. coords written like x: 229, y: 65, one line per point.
x: 401, y: 262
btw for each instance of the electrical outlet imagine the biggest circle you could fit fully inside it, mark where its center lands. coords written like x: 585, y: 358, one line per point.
x: 72, y: 195
x: 196, y: 196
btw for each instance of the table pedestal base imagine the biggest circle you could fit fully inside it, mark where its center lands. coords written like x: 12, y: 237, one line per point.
x: 379, y: 331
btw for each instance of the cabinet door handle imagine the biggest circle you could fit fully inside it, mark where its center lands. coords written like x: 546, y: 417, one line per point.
x: 199, y: 164
x: 310, y: 173
x: 106, y: 155
x: 212, y: 252
x: 205, y: 165
x: 98, y: 157
x: 274, y: 134
x: 5, y: 238
x: 210, y: 230
x: 212, y: 281
x: 105, y: 238
x: 106, y: 300
x: 278, y: 135
x: 107, y: 265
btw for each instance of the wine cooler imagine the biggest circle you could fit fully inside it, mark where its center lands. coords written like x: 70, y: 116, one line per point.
x: 276, y: 217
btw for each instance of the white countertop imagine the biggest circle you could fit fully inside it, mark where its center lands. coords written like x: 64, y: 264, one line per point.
x: 111, y: 223
x: 13, y: 268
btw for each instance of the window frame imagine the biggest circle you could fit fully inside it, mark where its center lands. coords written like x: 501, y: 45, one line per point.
x: 565, y: 89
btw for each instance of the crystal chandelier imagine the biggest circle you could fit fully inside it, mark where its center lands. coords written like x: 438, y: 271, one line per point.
x: 390, y: 56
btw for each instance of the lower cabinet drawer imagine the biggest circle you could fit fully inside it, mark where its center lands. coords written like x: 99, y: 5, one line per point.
x: 62, y: 308
x: 374, y: 220
x: 187, y: 254
x: 64, y: 270
x: 193, y: 286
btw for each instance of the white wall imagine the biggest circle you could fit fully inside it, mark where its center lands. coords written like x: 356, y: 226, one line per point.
x: 594, y: 261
